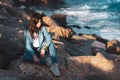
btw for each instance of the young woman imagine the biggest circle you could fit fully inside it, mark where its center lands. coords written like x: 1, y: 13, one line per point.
x: 39, y: 44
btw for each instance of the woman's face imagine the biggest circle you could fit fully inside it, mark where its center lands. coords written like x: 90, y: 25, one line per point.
x: 38, y: 24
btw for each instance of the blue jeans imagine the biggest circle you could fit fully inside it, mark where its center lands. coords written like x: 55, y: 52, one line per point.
x: 51, y: 52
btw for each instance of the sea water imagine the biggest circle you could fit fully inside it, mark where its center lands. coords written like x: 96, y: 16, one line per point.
x: 102, y: 16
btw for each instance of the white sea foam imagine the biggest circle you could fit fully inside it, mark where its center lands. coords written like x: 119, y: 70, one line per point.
x: 83, y: 17
x: 110, y: 33
x: 104, y: 7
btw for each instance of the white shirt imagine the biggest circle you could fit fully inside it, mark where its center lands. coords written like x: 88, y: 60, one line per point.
x: 35, y: 40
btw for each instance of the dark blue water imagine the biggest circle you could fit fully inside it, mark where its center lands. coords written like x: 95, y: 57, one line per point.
x: 103, y: 16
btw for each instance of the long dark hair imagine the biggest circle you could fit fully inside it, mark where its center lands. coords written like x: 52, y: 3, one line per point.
x: 34, y: 19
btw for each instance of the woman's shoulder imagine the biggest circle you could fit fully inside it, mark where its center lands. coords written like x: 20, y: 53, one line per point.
x: 26, y: 30
x: 43, y: 28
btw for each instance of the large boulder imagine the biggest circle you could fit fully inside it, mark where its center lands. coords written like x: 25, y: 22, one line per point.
x: 27, y: 2
x: 94, y: 68
x: 51, y: 2
x: 30, y: 69
x: 60, y: 19
x: 7, y: 2
x: 37, y: 2
x: 11, y: 46
x: 72, y: 67
x: 50, y: 22
x: 55, y: 29
x: 43, y: 72
x: 80, y: 45
x: 113, y: 46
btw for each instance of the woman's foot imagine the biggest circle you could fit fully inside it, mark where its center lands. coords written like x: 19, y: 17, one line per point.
x: 48, y: 61
x: 55, y: 69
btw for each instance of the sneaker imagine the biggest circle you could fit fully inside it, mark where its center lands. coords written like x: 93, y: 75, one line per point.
x: 48, y: 61
x: 55, y: 69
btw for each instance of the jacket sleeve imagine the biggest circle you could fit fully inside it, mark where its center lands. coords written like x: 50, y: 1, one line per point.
x: 47, y: 38
x: 28, y: 43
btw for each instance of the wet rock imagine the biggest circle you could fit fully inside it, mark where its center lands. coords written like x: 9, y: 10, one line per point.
x: 74, y: 26
x: 60, y: 19
x: 87, y: 27
x: 113, y: 46
x: 100, y: 39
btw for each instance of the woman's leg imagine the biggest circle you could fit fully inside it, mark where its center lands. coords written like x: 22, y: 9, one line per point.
x: 52, y: 53
x: 42, y: 60
x: 54, y: 67
x: 28, y: 57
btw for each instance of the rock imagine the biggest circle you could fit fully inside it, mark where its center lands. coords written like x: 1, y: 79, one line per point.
x: 85, y: 45
x: 47, y: 20
x: 54, y: 28
x: 113, y: 46
x: 7, y: 2
x: 102, y: 63
x: 42, y: 71
x: 13, y: 75
x: 13, y: 12
x: 104, y: 53
x: 77, y: 50
x: 75, y: 26
x: 78, y: 40
x: 27, y: 2
x: 82, y: 40
x: 2, y: 17
x: 94, y: 37
x: 98, y: 44
x: 55, y: 36
x: 87, y: 27
x: 93, y: 76
x: 51, y: 2
x: 88, y: 36
x: 72, y: 67
x: 10, y: 45
x: 9, y: 75
x: 2, y: 62
x: 64, y: 33
x: 30, y: 69
x: 100, y: 39
x: 37, y: 2
x: 93, y: 67
x: 60, y: 19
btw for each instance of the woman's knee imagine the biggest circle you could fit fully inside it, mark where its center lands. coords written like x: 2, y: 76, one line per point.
x: 28, y: 57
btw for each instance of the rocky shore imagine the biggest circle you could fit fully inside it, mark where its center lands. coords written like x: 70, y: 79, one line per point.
x: 80, y: 56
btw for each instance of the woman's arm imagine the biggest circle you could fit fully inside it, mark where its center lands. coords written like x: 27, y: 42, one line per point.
x: 28, y: 43
x: 47, y: 41
x: 47, y: 38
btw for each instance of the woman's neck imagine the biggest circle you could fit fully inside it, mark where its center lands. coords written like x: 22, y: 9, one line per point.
x: 35, y: 35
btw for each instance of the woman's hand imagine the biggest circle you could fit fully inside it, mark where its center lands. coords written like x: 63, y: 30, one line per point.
x: 42, y: 53
x: 36, y: 59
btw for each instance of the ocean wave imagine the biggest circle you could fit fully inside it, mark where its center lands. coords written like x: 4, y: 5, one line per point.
x: 110, y: 33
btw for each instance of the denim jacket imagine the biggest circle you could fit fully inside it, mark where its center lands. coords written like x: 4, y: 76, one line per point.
x: 43, y: 37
